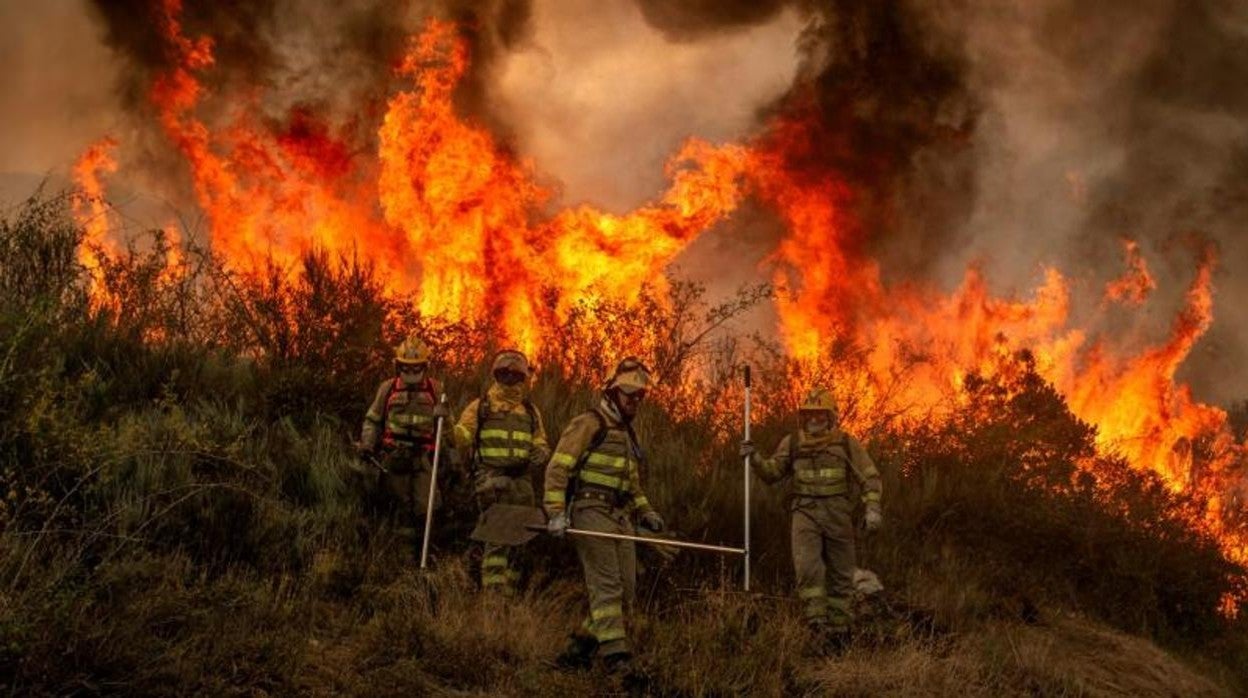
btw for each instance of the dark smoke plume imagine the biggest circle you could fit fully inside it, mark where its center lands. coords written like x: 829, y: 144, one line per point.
x: 1032, y: 133
x: 888, y: 106
x: 1022, y: 133
x: 310, y: 59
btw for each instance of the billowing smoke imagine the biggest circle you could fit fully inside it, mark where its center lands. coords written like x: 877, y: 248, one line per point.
x: 1021, y: 133
x: 1030, y: 133
x: 1110, y: 119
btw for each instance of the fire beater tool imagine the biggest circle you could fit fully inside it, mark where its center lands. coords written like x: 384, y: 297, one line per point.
x: 433, y: 486
x: 746, y: 470
x: 514, y: 524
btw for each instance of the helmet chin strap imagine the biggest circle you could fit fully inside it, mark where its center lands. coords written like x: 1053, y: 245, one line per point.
x: 612, y: 404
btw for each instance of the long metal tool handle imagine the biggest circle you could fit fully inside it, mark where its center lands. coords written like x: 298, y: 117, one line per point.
x: 433, y: 485
x: 746, y: 470
x: 644, y: 539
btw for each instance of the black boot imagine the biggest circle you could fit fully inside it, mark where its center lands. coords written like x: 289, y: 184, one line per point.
x: 618, y: 663
x: 579, y: 653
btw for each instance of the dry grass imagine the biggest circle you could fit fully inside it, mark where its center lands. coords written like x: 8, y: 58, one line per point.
x: 1069, y: 656
x: 175, y: 521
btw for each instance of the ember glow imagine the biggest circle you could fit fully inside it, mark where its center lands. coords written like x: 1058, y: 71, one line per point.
x: 465, y: 226
x: 91, y: 210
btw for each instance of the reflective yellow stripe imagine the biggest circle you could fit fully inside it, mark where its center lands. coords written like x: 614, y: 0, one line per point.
x: 641, y: 502
x: 504, y: 435
x: 615, y: 462
x: 553, y: 497
x: 562, y: 459
x: 820, y: 490
x: 614, y: 611
x: 811, y: 592
x: 600, y: 479
x: 838, y: 604
x: 496, y: 452
x: 410, y: 419
x: 871, y: 496
x: 495, y: 561
x: 609, y: 634
x: 373, y: 417
x: 821, y: 474
x: 493, y: 579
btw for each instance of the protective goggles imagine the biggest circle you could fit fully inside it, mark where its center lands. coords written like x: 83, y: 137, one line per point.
x: 509, y: 376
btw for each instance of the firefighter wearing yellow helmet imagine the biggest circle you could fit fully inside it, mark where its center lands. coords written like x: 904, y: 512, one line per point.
x: 820, y: 460
x: 593, y: 480
x: 502, y: 435
x: 398, y: 432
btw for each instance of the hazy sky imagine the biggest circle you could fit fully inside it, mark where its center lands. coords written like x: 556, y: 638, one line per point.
x: 1096, y: 121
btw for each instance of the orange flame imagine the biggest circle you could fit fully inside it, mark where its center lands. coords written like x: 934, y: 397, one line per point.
x: 447, y: 214
x: 1134, y: 286
x: 919, y: 344
x: 91, y: 211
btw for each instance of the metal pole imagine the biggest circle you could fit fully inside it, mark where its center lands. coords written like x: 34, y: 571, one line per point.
x: 433, y: 486
x: 746, y: 476
x: 645, y: 539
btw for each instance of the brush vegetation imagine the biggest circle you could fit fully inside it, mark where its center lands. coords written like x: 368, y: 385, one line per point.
x: 178, y: 514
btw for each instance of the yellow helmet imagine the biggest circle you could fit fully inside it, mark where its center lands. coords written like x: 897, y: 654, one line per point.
x: 820, y: 400
x: 411, y: 351
x: 631, y: 375
x: 513, y: 360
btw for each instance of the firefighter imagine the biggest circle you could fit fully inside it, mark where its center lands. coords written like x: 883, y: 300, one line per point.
x: 502, y: 436
x: 398, y: 433
x: 593, y: 480
x: 820, y: 459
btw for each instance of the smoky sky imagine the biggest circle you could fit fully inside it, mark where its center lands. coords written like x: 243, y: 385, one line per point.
x: 1019, y: 133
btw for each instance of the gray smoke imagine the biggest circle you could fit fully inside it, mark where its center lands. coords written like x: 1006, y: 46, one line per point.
x: 1023, y: 133
x: 1036, y: 132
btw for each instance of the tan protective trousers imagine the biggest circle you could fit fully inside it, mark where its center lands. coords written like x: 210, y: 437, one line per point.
x: 610, y: 568
x: 499, y: 570
x: 823, y: 558
x: 407, y: 484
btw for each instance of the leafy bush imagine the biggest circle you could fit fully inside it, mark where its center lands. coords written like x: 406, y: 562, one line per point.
x: 176, y: 507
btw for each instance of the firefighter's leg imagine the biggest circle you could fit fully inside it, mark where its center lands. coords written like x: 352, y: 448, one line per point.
x: 604, y: 580
x: 806, y: 540
x: 838, y: 549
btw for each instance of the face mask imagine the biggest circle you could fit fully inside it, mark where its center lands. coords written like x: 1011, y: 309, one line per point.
x: 509, y: 378
x: 818, y: 425
x: 411, y: 377
x: 627, y: 403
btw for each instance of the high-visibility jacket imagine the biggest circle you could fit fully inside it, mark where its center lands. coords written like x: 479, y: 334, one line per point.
x: 502, y: 436
x: 596, y: 451
x: 822, y: 466
x: 401, y: 414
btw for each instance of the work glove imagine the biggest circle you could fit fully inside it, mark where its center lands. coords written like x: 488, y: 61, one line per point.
x: 558, y: 524
x: 873, y: 518
x: 441, y: 411
x: 652, y: 521
x: 748, y: 450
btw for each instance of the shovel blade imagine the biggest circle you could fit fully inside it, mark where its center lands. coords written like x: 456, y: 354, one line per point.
x: 508, y: 524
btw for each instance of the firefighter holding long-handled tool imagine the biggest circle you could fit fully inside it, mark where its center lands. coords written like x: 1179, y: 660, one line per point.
x: 593, y: 493
x: 401, y: 433
x: 599, y: 457
x: 821, y: 459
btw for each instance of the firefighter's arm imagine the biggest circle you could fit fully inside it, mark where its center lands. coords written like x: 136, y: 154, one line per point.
x: 466, y: 428
x: 641, y: 503
x: 572, y: 443
x: 372, y: 419
x: 775, y: 468
x: 540, y: 452
x: 865, y: 471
